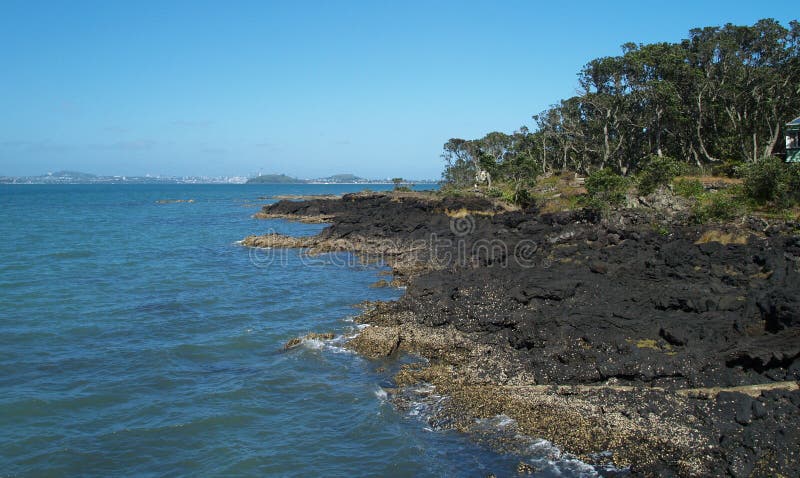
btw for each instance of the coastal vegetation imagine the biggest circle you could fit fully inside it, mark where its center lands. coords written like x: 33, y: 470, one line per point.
x: 713, y: 104
x: 401, y: 185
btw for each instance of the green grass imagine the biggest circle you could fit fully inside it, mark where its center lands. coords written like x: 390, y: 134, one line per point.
x: 688, y: 188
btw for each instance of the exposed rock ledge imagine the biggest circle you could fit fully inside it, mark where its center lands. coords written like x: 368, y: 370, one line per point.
x: 320, y: 219
x: 678, y: 351
x: 668, y: 437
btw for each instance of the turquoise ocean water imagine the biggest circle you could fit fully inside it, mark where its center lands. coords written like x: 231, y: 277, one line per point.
x: 138, y: 339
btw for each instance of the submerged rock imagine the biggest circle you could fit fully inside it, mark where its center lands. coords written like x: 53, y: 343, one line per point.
x: 278, y: 241
x: 292, y: 343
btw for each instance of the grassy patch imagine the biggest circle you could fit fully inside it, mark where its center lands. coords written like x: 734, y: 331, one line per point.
x: 652, y: 344
x: 724, y: 238
x: 464, y: 212
x: 559, y: 204
x: 558, y: 193
x: 688, y: 188
x: 647, y: 344
x: 661, y: 229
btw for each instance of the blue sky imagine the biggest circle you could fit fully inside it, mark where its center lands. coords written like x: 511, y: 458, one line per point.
x: 303, y: 88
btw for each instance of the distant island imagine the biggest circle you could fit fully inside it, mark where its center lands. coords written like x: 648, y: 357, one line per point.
x: 274, y: 179
x: 76, y: 177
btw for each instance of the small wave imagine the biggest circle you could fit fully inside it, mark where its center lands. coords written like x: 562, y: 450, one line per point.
x: 540, y: 454
x: 381, y: 395
x: 70, y: 254
x: 501, y: 422
x: 421, y: 402
x: 500, y: 433
x: 335, y: 345
x: 314, y: 344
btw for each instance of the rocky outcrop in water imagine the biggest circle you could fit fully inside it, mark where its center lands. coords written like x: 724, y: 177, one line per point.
x: 677, y: 350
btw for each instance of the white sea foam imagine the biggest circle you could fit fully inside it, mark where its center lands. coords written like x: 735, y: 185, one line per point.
x: 501, y: 421
x: 548, y: 457
x: 314, y: 344
x: 335, y: 345
x: 381, y: 394
x: 337, y: 349
x: 421, y: 402
x: 424, y: 389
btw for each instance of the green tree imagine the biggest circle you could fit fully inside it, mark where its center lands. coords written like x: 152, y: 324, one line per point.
x: 719, y: 97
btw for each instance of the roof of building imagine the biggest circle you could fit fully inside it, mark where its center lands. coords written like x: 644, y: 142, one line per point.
x: 794, y: 122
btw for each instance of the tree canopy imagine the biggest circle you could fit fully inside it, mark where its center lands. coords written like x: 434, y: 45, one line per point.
x: 721, y: 95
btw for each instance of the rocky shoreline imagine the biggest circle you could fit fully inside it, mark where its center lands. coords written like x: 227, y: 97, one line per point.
x: 676, y: 350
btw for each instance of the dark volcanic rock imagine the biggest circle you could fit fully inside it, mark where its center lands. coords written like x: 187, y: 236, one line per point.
x: 575, y: 300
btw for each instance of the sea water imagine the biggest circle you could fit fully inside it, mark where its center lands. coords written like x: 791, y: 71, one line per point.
x: 137, y: 338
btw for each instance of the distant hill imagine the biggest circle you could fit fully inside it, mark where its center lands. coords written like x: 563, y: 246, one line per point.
x: 343, y: 178
x: 274, y: 179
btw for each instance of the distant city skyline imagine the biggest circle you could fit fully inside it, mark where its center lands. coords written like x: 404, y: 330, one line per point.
x: 311, y: 90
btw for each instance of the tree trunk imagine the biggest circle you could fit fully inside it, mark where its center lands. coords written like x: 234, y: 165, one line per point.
x: 700, y: 141
x: 770, y: 148
x: 660, y: 153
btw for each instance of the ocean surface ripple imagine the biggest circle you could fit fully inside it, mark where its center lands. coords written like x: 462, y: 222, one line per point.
x: 137, y: 339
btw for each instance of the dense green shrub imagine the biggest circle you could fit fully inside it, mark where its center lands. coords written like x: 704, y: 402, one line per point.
x: 729, y: 168
x: 605, y: 189
x: 518, y: 196
x: 657, y: 171
x: 719, y: 206
x: 494, y: 192
x: 793, y: 182
x: 770, y: 180
x: 399, y: 185
x: 688, y: 188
